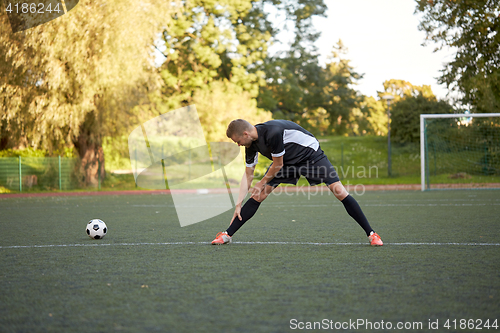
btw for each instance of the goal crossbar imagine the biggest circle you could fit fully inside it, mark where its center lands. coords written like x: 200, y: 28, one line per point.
x: 422, y: 134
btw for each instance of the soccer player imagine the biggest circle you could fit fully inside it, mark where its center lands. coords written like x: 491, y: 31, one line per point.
x: 294, y: 152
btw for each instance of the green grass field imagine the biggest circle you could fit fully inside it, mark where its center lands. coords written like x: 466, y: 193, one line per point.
x: 440, y: 261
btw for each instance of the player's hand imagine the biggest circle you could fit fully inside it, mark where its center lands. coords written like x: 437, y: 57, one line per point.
x: 257, y: 189
x: 237, y: 213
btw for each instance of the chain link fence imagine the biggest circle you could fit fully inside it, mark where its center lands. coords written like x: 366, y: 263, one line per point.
x: 38, y: 173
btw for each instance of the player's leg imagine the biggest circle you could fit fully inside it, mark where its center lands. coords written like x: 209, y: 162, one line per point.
x: 249, y: 208
x: 247, y: 212
x: 323, y: 171
x: 351, y: 206
x: 354, y: 210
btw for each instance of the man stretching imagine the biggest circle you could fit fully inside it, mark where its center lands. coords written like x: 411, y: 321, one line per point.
x: 294, y: 152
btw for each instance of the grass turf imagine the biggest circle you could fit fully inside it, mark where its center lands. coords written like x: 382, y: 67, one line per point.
x: 130, y: 282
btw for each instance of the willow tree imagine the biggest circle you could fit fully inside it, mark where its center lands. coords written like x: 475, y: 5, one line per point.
x: 71, y: 81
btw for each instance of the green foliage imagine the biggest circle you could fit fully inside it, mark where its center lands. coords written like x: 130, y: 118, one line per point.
x: 374, y: 117
x: 343, y: 99
x: 227, y: 40
x: 216, y: 57
x: 472, y: 29
x: 90, y: 61
x: 207, y: 41
x: 294, y: 78
x: 405, y: 116
x: 401, y: 89
x: 409, y: 102
x: 217, y: 104
x: 116, y: 153
x: 320, y: 99
x: 70, y: 82
x: 222, y: 102
x: 27, y: 152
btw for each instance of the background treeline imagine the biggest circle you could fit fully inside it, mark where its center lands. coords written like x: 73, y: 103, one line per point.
x: 79, y: 84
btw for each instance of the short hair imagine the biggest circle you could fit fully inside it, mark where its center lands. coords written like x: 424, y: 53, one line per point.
x: 237, y: 127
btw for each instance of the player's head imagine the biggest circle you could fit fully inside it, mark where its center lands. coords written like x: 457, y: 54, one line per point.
x: 239, y: 130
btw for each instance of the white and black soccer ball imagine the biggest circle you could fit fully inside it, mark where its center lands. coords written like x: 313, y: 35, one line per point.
x: 96, y: 229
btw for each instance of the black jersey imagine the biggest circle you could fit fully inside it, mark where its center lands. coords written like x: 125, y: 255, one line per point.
x: 283, y: 138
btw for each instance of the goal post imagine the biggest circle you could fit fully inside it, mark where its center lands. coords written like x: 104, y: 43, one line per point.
x: 460, y: 151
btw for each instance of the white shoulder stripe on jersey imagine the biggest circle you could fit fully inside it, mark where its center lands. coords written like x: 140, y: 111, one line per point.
x: 298, y: 137
x: 279, y: 154
x: 255, y: 161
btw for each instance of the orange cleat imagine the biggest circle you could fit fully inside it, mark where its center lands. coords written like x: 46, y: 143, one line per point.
x: 375, y: 240
x: 221, y: 238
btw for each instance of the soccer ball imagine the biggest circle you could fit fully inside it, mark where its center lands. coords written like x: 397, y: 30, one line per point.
x: 96, y: 229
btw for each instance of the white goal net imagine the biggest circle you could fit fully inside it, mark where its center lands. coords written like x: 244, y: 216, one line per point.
x: 460, y: 151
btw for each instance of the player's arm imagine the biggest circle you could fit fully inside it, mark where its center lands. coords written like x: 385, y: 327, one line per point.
x: 270, y: 174
x: 246, y: 183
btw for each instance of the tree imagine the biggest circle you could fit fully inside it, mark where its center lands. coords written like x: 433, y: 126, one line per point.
x: 294, y: 86
x: 401, y: 89
x: 70, y: 82
x: 405, y: 116
x: 409, y: 102
x: 222, y: 102
x: 228, y: 42
x: 300, y: 89
x: 373, y: 119
x: 207, y: 41
x: 294, y: 79
x: 343, y: 99
x: 472, y: 28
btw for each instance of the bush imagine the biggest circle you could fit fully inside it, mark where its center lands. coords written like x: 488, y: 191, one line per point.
x: 405, y: 116
x: 28, y: 152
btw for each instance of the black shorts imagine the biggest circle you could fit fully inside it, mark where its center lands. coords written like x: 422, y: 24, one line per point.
x: 316, y: 172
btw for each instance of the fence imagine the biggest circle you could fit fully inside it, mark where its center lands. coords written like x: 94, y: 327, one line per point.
x: 38, y: 173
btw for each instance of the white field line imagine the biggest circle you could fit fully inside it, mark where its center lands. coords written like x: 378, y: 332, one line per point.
x: 244, y: 243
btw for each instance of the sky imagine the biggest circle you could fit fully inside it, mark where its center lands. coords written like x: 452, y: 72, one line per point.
x: 383, y: 43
